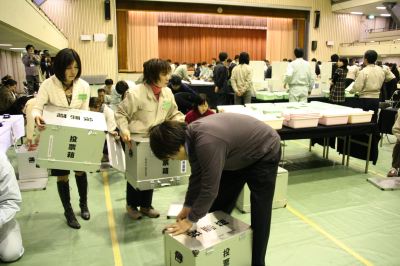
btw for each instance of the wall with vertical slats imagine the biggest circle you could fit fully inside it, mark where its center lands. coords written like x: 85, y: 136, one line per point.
x: 77, y: 17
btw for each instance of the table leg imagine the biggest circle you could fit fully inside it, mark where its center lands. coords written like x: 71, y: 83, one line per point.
x: 368, y: 152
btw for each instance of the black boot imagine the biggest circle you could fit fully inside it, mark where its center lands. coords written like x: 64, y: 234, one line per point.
x: 82, y: 184
x: 63, y: 191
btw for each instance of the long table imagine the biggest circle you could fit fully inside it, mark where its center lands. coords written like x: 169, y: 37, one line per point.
x: 11, y: 130
x: 326, y: 132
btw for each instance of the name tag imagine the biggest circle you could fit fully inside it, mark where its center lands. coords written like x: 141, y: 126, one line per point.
x: 166, y: 105
x: 82, y: 97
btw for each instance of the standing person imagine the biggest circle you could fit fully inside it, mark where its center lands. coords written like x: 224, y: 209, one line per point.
x: 11, y: 248
x: 352, y: 72
x: 337, y: 93
x: 334, y: 60
x: 200, y: 109
x: 300, y: 78
x: 66, y: 89
x: 220, y: 77
x: 369, y: 83
x: 182, y: 71
x: 117, y: 94
x: 242, y: 80
x: 222, y: 161
x: 149, y: 104
x: 394, y: 171
x: 31, y: 63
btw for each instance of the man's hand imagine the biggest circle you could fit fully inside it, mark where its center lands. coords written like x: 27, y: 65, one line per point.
x: 239, y: 93
x: 40, y: 123
x: 179, y: 227
x: 183, y: 213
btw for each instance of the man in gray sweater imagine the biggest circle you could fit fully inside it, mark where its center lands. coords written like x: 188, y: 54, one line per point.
x: 225, y: 151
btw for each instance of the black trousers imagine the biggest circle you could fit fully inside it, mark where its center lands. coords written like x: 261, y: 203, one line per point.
x: 261, y: 178
x: 138, y: 198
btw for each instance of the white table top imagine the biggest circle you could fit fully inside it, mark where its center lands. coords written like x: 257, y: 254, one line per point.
x: 13, y: 128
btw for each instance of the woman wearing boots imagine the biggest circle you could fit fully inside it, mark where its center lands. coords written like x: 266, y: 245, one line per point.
x: 147, y: 105
x: 66, y: 89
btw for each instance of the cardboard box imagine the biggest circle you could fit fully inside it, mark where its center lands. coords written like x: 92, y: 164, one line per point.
x: 280, y: 195
x: 144, y: 171
x: 73, y: 139
x: 218, y: 240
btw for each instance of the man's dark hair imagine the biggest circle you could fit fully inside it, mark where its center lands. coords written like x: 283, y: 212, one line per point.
x: 244, y: 58
x: 371, y: 56
x: 236, y: 57
x: 334, y: 58
x: 93, y: 102
x: 222, y: 56
x: 10, y: 82
x: 175, y: 80
x: 109, y: 82
x: 153, y: 68
x: 229, y: 60
x: 167, y: 138
x: 29, y: 46
x: 64, y: 59
x: 101, y: 90
x: 299, y: 53
x: 121, y: 87
x: 314, y: 60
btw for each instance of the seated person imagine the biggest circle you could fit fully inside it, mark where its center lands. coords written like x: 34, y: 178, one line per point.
x: 101, y: 95
x: 11, y: 248
x: 184, y: 96
x: 8, y: 96
x: 200, y: 110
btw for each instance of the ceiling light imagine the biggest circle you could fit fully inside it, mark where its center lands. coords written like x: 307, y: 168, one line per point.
x: 385, y: 15
x: 356, y: 13
x: 381, y: 7
x: 5, y: 44
x: 372, y: 41
x: 371, y: 16
x: 14, y: 48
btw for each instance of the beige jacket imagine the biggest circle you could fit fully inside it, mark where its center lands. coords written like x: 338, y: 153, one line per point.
x: 369, y: 81
x: 140, y: 110
x: 242, y: 78
x: 51, y: 92
x: 396, y: 126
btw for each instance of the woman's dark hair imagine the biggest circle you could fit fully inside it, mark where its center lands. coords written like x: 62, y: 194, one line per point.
x: 64, y: 59
x: 5, y: 78
x: 299, y: 53
x: 153, y: 68
x: 10, y: 82
x: 121, y: 87
x: 244, y: 58
x: 175, y: 80
x: 167, y: 138
x: 200, y: 100
x: 371, y: 56
x: 109, y: 82
x: 344, y: 60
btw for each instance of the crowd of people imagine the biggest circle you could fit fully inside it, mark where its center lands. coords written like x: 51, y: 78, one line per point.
x: 163, y: 104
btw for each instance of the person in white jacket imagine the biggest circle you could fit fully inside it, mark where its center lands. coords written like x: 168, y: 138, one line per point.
x: 66, y: 89
x: 11, y: 248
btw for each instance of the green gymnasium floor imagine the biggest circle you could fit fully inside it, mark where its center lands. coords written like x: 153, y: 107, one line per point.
x: 333, y: 217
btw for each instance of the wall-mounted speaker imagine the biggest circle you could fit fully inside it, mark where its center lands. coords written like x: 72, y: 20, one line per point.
x: 317, y: 15
x: 107, y: 10
x: 314, y: 45
x: 110, y: 40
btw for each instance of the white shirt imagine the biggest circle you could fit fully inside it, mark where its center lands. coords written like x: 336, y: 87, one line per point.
x: 52, y: 92
x: 10, y: 196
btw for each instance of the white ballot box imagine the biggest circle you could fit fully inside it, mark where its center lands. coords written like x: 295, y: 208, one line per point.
x: 144, y: 171
x: 73, y: 139
x: 280, y: 199
x: 218, y: 240
x: 27, y: 164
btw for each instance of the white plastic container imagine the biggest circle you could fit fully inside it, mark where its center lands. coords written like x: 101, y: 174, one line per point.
x: 360, y: 117
x: 301, y: 122
x: 27, y: 164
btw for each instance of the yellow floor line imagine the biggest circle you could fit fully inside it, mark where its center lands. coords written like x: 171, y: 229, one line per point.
x: 362, y: 168
x: 330, y: 237
x: 111, y: 221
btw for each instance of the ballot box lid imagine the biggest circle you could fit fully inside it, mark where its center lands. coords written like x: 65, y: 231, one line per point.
x: 62, y: 116
x: 211, y: 230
